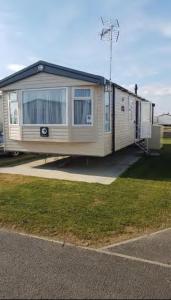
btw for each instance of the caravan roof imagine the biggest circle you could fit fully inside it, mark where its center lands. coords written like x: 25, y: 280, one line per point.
x: 43, y: 66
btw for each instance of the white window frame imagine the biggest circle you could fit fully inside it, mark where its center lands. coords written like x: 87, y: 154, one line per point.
x: 9, y: 109
x: 83, y: 98
x: 47, y: 125
x: 110, y: 107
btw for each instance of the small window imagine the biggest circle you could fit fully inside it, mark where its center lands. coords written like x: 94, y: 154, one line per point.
x: 13, y: 108
x: 107, y: 123
x: 123, y: 108
x: 82, y: 93
x: 82, y: 107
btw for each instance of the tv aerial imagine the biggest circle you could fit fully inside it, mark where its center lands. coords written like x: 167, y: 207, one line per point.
x: 110, y: 33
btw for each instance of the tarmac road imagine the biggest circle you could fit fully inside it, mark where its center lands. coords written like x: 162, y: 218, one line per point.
x: 33, y: 268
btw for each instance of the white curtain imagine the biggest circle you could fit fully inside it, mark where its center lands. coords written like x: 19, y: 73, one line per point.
x: 14, y: 112
x: 13, y: 108
x: 44, y: 106
x: 82, y: 112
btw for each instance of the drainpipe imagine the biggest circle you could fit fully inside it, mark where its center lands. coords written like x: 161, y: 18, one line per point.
x: 136, y: 89
x: 153, y: 106
x: 113, y: 119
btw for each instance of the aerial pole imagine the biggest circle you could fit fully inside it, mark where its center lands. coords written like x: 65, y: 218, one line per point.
x: 110, y: 33
x: 111, y: 52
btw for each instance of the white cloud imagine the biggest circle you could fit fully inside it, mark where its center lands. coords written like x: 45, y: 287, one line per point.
x: 165, y: 29
x: 159, y: 26
x: 19, y: 33
x: 152, y: 90
x: 33, y: 59
x: 15, y: 67
x: 165, y: 49
x: 160, y: 94
x: 140, y: 71
x: 156, y: 90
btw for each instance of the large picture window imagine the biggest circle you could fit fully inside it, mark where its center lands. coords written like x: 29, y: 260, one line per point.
x: 13, y: 108
x: 45, y: 106
x: 107, y: 115
x: 82, y: 107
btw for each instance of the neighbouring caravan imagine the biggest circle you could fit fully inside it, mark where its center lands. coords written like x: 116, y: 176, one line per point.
x: 164, y: 119
x: 52, y: 109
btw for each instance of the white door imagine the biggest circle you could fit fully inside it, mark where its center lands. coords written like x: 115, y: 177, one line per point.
x: 146, y: 120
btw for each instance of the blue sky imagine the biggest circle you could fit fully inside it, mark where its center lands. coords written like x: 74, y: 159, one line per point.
x: 66, y: 32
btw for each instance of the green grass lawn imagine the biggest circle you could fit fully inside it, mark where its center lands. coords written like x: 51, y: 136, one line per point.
x: 139, y: 201
x: 166, y: 140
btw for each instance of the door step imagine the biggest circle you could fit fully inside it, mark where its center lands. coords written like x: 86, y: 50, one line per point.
x: 141, y: 144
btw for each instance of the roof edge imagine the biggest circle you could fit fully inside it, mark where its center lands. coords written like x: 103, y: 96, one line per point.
x: 52, y: 69
x: 129, y: 92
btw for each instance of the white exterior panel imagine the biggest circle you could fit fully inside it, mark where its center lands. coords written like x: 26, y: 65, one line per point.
x: 124, y: 119
x: 145, y: 123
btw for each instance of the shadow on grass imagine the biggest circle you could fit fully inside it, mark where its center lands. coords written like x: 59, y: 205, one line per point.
x: 11, y: 161
x: 152, y: 167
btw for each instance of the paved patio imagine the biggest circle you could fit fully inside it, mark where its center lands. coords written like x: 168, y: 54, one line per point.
x: 102, y: 170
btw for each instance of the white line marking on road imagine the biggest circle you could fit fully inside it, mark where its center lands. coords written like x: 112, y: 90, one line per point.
x: 43, y: 238
x: 134, y: 258
x: 101, y: 251
x: 134, y: 239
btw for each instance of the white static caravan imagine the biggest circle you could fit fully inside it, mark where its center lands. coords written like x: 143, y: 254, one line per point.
x: 164, y: 119
x: 52, y: 109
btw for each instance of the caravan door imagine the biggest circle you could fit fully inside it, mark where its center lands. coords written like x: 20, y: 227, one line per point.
x: 146, y: 120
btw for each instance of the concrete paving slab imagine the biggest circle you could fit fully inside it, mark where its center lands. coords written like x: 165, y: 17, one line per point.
x: 154, y: 247
x: 102, y: 170
x: 32, y: 268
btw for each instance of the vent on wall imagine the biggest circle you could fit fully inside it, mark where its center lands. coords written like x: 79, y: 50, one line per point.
x: 44, y: 131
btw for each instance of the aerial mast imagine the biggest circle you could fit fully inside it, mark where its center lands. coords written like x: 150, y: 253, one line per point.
x: 110, y: 33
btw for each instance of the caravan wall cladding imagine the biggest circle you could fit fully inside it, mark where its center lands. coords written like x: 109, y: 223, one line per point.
x: 69, y: 139
x: 124, y: 119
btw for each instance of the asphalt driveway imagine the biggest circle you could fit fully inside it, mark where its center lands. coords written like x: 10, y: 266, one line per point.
x: 36, y: 268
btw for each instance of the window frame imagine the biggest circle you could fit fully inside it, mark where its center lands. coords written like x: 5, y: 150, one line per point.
x: 131, y: 109
x: 9, y: 109
x: 83, y: 98
x: 110, y: 112
x: 47, y: 125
